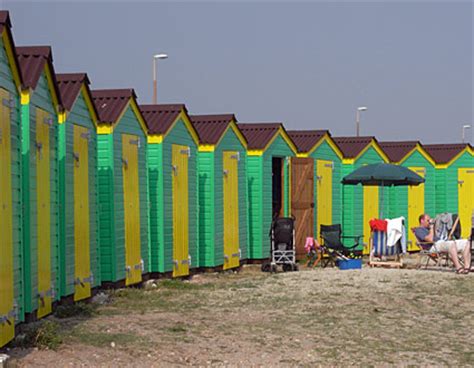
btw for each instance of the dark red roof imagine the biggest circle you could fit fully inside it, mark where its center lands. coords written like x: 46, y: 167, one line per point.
x: 70, y: 87
x: 210, y: 128
x: 443, y: 153
x: 352, y: 146
x: 4, y: 20
x: 159, y: 118
x: 305, y: 140
x: 32, y: 60
x: 110, y: 103
x: 5, y: 23
x: 258, y: 135
x: 397, y: 150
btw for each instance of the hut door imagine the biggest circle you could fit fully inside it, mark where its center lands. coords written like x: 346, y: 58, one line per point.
x: 371, y: 210
x: 7, y: 318
x: 231, y: 209
x: 416, y: 206
x: 179, y: 162
x: 302, y: 200
x: 42, y: 146
x: 324, y: 193
x: 133, y: 264
x: 466, y: 200
x: 82, y: 269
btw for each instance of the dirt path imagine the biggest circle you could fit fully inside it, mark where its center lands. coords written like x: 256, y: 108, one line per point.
x: 317, y: 317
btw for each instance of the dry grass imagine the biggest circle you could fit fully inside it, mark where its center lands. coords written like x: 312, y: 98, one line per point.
x: 318, y: 317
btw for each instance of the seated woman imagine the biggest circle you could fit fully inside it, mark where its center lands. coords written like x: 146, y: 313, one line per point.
x: 425, y: 233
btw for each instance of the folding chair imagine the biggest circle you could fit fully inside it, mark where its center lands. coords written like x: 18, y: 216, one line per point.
x: 332, y: 246
x: 380, y: 252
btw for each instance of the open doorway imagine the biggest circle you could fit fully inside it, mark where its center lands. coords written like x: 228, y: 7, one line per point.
x: 277, y: 186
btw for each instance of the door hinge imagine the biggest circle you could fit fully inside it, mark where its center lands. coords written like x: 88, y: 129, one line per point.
x: 48, y: 121
x: 8, y: 102
x: 135, y: 142
x: 186, y: 151
x: 236, y: 156
x: 87, y: 135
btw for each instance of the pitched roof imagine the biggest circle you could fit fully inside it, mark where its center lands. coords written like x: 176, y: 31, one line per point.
x: 70, y: 85
x: 396, y: 151
x: 352, y: 146
x: 110, y: 103
x: 258, y: 135
x: 159, y: 118
x: 443, y: 153
x: 210, y: 128
x: 5, y: 23
x: 32, y: 60
x: 305, y: 140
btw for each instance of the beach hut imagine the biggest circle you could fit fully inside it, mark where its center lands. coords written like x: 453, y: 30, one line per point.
x: 173, y: 183
x: 360, y: 204
x: 222, y: 171
x: 11, y: 226
x: 40, y: 115
x: 316, y: 184
x: 77, y: 156
x: 123, y: 189
x: 454, y: 181
x: 269, y: 149
x: 411, y: 201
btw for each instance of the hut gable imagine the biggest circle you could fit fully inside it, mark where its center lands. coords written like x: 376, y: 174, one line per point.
x: 9, y: 49
x: 211, y: 128
x: 305, y: 140
x: 260, y: 136
x: 396, y: 151
x: 445, y: 153
x: 353, y: 148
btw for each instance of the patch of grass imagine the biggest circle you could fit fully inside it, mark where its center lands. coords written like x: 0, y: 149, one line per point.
x: 75, y: 310
x: 177, y: 284
x: 179, y: 328
x: 104, y: 339
x: 42, y: 335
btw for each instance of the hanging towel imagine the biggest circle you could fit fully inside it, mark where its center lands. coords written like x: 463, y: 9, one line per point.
x: 443, y: 225
x: 395, y: 230
x: 376, y: 224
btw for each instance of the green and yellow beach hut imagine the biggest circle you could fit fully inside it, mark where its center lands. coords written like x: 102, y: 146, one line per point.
x: 454, y: 181
x: 173, y: 185
x: 11, y: 219
x: 41, y: 112
x: 222, y: 171
x: 360, y: 204
x: 316, y: 184
x: 123, y: 187
x: 411, y: 201
x: 269, y: 150
x: 78, y: 211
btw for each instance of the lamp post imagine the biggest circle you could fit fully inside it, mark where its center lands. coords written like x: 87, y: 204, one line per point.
x: 155, y: 58
x: 464, y: 127
x: 359, y: 109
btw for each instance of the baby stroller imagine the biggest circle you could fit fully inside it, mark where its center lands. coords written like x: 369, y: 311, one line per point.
x: 282, y: 251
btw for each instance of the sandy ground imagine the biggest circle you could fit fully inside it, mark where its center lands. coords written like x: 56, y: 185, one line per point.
x: 320, y: 317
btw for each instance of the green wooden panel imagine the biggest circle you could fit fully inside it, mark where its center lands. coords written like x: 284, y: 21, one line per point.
x: 79, y: 115
x: 40, y: 98
x: 7, y: 83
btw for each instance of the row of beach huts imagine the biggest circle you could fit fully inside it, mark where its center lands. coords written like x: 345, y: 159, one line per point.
x: 97, y: 189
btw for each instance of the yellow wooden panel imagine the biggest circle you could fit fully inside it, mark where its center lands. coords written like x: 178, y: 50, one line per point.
x: 7, y: 321
x: 324, y: 171
x: 466, y: 200
x: 416, y: 206
x: 131, y: 203
x: 42, y: 146
x: 179, y: 174
x: 371, y: 210
x: 231, y: 210
x: 82, y: 274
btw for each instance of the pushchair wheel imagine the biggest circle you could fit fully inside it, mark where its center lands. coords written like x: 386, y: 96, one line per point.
x: 266, y: 267
x: 273, y: 268
x: 295, y: 267
x: 287, y: 267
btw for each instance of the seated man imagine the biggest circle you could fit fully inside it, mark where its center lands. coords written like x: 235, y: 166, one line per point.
x: 425, y: 233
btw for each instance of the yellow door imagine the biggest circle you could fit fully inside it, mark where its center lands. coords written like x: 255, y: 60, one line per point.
x: 7, y: 320
x: 180, y: 155
x: 324, y: 193
x: 371, y: 210
x: 416, y: 206
x: 231, y: 210
x: 42, y: 146
x: 131, y: 203
x: 82, y: 275
x: 466, y: 200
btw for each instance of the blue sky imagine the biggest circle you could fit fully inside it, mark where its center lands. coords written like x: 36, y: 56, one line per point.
x: 306, y: 64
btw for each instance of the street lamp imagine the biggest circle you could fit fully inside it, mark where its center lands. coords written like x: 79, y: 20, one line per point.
x: 464, y: 127
x: 359, y: 109
x: 156, y: 57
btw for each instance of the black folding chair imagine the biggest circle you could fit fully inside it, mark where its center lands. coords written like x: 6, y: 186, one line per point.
x: 333, y: 247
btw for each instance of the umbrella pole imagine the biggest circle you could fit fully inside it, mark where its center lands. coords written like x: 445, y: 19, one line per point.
x: 381, y: 203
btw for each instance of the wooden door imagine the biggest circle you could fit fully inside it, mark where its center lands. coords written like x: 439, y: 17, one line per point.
x: 231, y: 209
x: 466, y: 200
x: 324, y: 171
x: 371, y: 210
x: 302, y: 200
